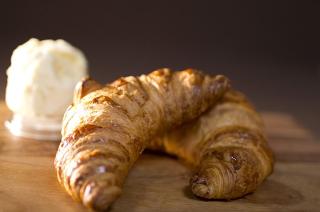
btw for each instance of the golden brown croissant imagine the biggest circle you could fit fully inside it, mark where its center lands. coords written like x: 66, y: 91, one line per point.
x: 227, y: 147
x: 107, y: 128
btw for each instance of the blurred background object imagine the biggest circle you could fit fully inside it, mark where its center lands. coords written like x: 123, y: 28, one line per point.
x: 269, y: 49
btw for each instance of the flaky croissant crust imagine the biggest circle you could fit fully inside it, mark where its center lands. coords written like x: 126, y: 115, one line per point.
x: 226, y: 146
x: 108, y: 127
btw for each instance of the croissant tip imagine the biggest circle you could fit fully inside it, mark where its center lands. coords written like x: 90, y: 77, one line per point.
x: 200, y: 187
x: 100, y: 198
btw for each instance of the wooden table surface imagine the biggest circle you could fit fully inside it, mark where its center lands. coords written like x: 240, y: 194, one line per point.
x: 159, y: 183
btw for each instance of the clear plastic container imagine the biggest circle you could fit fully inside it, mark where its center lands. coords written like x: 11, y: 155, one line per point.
x: 35, y: 128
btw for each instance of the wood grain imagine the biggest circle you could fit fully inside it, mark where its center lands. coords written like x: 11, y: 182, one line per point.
x: 160, y: 183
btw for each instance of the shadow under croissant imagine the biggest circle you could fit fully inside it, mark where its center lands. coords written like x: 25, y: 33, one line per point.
x: 274, y: 192
x: 269, y: 192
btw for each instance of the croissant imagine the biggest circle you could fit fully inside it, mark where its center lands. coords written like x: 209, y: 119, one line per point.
x: 226, y: 146
x: 107, y: 127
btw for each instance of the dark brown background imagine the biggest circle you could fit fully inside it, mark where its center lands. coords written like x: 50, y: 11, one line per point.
x: 269, y: 49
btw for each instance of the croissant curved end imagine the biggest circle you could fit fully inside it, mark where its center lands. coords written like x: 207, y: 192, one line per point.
x: 100, y: 198
x: 200, y: 187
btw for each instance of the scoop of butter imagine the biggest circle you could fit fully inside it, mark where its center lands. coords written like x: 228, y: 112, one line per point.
x: 41, y: 80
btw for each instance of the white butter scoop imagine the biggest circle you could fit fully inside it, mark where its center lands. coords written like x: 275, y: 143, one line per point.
x: 41, y: 81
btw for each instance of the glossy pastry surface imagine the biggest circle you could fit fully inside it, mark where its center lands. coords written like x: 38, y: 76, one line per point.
x: 108, y: 127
